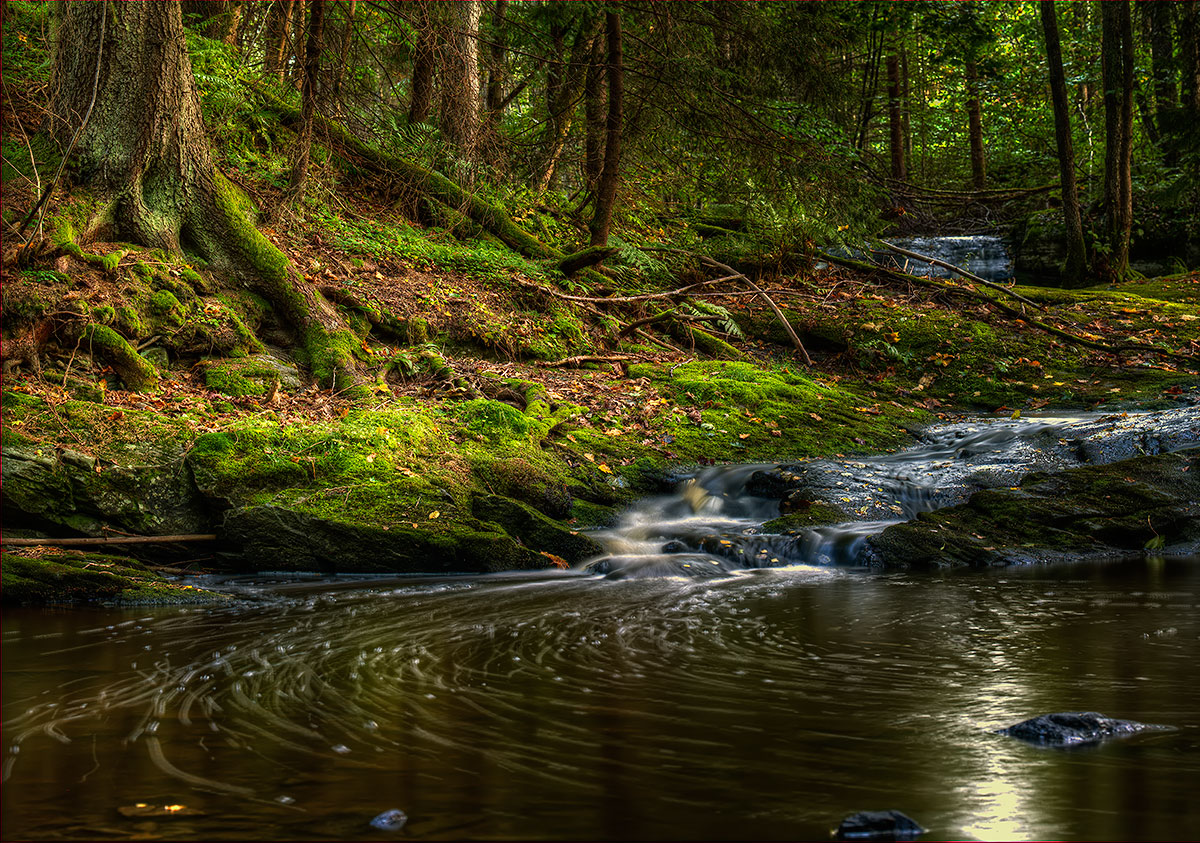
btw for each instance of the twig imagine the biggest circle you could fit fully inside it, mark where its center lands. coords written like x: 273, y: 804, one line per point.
x: 770, y: 301
x: 959, y: 271
x: 576, y: 362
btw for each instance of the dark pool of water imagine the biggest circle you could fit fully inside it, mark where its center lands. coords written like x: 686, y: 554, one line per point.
x: 764, y: 705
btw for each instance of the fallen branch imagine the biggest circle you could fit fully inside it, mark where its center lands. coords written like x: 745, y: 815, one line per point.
x: 770, y: 301
x: 625, y: 299
x: 92, y: 542
x: 953, y: 289
x: 576, y: 362
x: 970, y: 276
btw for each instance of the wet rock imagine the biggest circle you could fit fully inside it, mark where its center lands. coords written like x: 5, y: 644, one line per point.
x: 534, y: 529
x: 675, y: 546
x: 774, y: 482
x: 1074, y: 728
x: 273, y: 538
x: 878, y: 825
x: 151, y: 493
x: 392, y: 820
x: 1128, y: 508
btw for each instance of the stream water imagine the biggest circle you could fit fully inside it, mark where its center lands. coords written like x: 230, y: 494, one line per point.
x: 985, y: 255
x: 752, y: 703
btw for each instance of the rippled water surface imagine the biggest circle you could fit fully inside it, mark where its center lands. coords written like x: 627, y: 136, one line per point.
x: 763, y: 705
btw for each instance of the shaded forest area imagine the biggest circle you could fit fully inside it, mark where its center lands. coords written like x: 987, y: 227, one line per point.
x: 478, y: 273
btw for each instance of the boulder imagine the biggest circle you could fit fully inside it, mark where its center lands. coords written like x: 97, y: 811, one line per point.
x: 1125, y: 509
x: 1075, y: 728
x: 271, y: 538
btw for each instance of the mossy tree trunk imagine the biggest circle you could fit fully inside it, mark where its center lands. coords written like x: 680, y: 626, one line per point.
x: 145, y: 151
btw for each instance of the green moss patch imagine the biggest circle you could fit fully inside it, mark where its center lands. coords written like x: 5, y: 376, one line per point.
x: 66, y: 576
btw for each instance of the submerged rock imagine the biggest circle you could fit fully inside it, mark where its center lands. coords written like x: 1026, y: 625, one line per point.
x: 392, y: 820
x: 1074, y: 728
x: 878, y: 825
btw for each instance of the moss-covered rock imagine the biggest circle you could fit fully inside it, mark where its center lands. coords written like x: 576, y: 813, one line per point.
x: 535, y: 530
x: 64, y: 576
x: 253, y: 375
x: 69, y: 490
x: 280, y: 539
x: 1145, y: 504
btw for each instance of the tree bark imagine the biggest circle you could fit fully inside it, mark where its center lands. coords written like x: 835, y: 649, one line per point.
x: 308, y: 100
x: 421, y: 102
x: 975, y: 127
x: 895, y: 119
x: 145, y: 154
x: 561, y: 104
x: 1189, y: 56
x: 334, y: 102
x: 606, y: 190
x: 593, y: 117
x: 1162, y: 58
x: 1117, y: 70
x: 496, y: 69
x: 1075, y: 267
x: 275, y: 40
x: 460, y: 81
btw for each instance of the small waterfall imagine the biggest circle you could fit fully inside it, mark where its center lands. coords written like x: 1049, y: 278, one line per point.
x: 713, y: 524
x: 983, y: 254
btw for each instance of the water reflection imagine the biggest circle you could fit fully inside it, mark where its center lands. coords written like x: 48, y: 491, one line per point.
x: 760, y: 705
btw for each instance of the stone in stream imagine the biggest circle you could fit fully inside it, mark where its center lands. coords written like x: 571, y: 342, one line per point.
x: 1075, y: 728
x: 878, y: 825
x: 392, y: 820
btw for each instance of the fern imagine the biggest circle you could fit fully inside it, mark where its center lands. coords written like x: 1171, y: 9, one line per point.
x: 724, y: 319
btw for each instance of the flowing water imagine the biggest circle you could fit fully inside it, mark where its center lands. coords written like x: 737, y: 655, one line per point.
x: 984, y: 255
x: 751, y: 703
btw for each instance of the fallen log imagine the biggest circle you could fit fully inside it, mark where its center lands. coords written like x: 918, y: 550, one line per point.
x: 100, y: 542
x: 970, y: 276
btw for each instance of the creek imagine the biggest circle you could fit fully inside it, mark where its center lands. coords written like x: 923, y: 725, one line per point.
x: 986, y: 255
x: 743, y: 702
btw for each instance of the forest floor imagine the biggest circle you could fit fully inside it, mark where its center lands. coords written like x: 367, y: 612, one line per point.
x: 489, y: 440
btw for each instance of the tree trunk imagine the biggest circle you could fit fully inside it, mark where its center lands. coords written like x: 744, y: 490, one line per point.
x: 1074, y: 269
x: 1189, y: 56
x: 334, y: 102
x: 895, y: 119
x: 975, y: 127
x: 308, y: 100
x: 562, y: 105
x: 496, y: 74
x: 460, y: 81
x: 275, y: 40
x: 593, y: 116
x: 1117, y: 64
x: 1162, y: 59
x: 606, y: 190
x: 421, y: 102
x: 906, y: 109
x: 145, y: 154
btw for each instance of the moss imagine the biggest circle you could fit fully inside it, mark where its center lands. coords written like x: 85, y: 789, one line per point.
x: 517, y: 477
x: 493, y: 419
x: 104, y: 314
x: 73, y: 577
x: 239, y: 377
x: 589, y: 514
x: 167, y: 306
x: 813, y: 515
x: 135, y: 371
